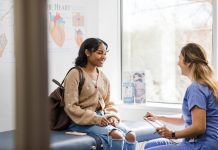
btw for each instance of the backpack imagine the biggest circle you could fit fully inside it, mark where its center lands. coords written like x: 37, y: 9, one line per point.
x: 59, y: 120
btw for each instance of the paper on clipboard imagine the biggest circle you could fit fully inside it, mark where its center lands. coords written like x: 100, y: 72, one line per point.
x: 155, y: 124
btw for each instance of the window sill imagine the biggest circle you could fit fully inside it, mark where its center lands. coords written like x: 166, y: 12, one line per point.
x: 137, y: 111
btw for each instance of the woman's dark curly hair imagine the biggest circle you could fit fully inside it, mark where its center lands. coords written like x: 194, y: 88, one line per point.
x: 92, y: 45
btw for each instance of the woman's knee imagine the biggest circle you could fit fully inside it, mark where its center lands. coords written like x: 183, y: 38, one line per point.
x: 115, y: 134
x: 131, y: 137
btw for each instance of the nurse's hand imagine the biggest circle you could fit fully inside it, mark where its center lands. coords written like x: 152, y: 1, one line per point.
x: 164, y: 132
x: 150, y: 116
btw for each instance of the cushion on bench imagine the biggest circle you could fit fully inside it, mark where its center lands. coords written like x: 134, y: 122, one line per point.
x: 59, y: 140
x: 7, y: 140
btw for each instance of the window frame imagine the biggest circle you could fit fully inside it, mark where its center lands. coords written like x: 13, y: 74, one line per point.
x: 214, y: 53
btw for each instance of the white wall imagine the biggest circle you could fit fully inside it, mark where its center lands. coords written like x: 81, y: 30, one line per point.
x: 101, y: 21
x: 7, y: 95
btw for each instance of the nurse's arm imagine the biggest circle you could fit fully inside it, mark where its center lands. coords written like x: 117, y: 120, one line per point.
x: 198, y: 126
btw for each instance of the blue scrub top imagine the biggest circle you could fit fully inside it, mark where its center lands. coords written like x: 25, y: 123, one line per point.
x: 201, y: 96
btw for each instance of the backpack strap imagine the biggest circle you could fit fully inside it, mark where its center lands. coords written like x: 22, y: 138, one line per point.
x: 81, y: 79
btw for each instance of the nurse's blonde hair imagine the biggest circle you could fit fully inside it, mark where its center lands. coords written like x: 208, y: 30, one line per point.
x: 201, y: 71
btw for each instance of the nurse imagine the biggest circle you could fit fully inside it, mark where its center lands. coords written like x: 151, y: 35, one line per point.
x: 200, y: 107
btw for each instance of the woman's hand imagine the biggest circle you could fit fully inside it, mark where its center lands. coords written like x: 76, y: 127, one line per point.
x: 113, y: 121
x: 150, y: 116
x: 104, y: 122
x: 164, y: 132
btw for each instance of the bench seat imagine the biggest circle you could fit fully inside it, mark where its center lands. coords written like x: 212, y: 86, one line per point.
x: 61, y: 141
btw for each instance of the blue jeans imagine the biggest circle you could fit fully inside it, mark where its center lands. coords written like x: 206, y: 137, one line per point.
x: 166, y: 144
x: 103, y: 133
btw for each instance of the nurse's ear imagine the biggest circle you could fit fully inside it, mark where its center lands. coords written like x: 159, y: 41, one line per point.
x: 188, y: 64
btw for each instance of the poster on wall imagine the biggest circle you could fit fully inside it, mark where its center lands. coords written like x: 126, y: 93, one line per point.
x: 134, y: 89
x: 139, y: 86
x: 7, y: 31
x: 128, y: 92
x: 66, y: 26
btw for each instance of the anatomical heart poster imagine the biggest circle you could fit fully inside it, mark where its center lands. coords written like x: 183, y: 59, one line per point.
x: 66, y: 25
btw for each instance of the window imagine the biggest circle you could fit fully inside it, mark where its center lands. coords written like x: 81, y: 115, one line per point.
x: 153, y: 33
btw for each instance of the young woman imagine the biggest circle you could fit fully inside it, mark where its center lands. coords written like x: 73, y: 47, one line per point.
x: 92, y: 111
x: 200, y: 107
